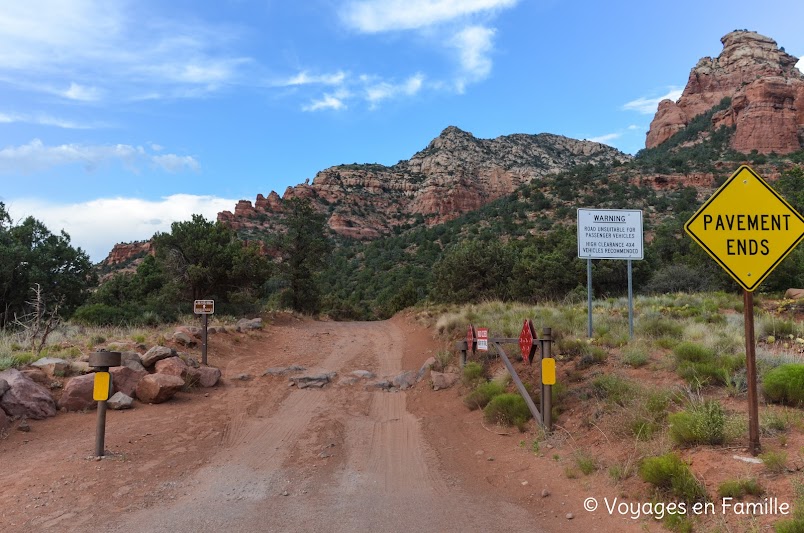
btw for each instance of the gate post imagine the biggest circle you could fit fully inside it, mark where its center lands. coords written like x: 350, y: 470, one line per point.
x: 547, y: 407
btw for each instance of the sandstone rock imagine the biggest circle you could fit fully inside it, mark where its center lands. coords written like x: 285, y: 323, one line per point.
x: 315, y: 381
x: 52, y: 366
x: 133, y: 360
x: 78, y: 368
x: 245, y: 324
x: 157, y: 353
x: 455, y: 173
x: 283, y: 370
x: 766, y: 91
x: 5, y: 423
x: 185, y: 339
x: 4, y: 387
x: 794, y: 294
x: 405, y: 380
x: 383, y: 384
x: 173, y: 366
x: 444, y: 380
x: 120, y: 401
x: 426, y: 367
x: 77, y: 395
x: 362, y: 374
x: 158, y: 388
x: 25, y: 397
x: 37, y: 375
x: 125, y: 379
x: 208, y: 376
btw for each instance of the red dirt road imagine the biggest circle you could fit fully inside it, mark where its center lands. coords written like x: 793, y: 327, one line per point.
x: 258, y: 455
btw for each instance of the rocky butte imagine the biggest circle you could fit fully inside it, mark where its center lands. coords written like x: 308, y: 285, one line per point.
x: 455, y: 173
x: 766, y: 91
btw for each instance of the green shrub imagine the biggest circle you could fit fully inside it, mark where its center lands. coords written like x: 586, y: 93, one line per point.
x: 508, y: 409
x: 785, y: 384
x: 693, y: 353
x: 775, y: 462
x: 472, y: 374
x: 483, y: 394
x: 585, y: 462
x: 614, y: 389
x: 671, y: 475
x: 702, y: 423
x: 657, y: 326
x: 635, y: 357
x: 738, y: 488
x: 594, y: 355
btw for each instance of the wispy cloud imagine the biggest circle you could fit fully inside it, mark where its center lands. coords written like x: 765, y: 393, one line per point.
x: 47, y: 120
x: 606, y: 139
x: 648, y: 106
x: 305, y: 78
x: 374, y: 16
x: 800, y: 65
x: 36, y: 156
x: 474, y: 45
x: 377, y: 92
x: 335, y: 101
x: 112, y: 50
x: 449, y: 24
x: 124, y: 219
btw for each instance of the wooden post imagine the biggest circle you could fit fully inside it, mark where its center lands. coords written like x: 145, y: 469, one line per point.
x: 751, y: 373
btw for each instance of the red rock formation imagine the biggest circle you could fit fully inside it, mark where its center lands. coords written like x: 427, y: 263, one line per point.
x: 766, y: 89
x: 123, y: 252
x: 454, y: 174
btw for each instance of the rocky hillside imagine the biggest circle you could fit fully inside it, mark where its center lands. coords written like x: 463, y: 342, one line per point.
x: 454, y: 174
x: 765, y: 89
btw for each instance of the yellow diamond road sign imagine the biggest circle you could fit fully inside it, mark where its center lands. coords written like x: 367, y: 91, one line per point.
x: 746, y: 227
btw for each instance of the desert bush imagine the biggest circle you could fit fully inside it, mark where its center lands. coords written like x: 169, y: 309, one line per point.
x: 483, y: 394
x: 508, y: 409
x: 785, y: 384
x: 669, y: 474
x: 738, y: 488
x: 677, y: 278
x: 472, y: 374
x: 443, y: 359
x: 614, y: 389
x: 775, y: 462
x: 594, y: 355
x: 656, y: 326
x: 701, y: 423
x: 585, y: 462
x: 635, y: 356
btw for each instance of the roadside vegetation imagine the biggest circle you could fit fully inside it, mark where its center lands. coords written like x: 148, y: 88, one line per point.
x: 648, y: 414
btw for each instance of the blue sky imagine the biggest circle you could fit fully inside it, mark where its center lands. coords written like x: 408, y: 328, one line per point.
x: 117, y: 118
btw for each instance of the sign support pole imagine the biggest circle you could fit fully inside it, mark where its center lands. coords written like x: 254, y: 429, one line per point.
x: 630, y: 301
x: 204, y: 341
x: 751, y: 373
x: 100, y: 427
x: 547, y: 394
x: 589, y: 295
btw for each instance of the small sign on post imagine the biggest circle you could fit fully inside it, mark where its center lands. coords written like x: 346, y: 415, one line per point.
x: 748, y: 229
x: 204, y: 308
x: 482, y: 339
x: 527, y: 344
x: 101, y: 362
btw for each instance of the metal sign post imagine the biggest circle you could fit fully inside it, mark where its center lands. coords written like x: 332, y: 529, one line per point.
x: 610, y: 234
x: 205, y: 308
x: 101, y: 361
x: 748, y: 229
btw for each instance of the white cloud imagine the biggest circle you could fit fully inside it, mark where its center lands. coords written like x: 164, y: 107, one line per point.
x: 648, y: 106
x: 328, y: 101
x: 604, y: 139
x: 97, y: 225
x: 36, y: 156
x: 47, y: 120
x: 633, y: 127
x: 377, y: 92
x: 474, y: 44
x: 374, y: 16
x: 800, y: 65
x: 111, y: 49
x: 305, y: 78
x: 82, y: 93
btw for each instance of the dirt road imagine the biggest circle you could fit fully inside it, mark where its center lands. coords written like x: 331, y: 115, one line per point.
x: 258, y: 455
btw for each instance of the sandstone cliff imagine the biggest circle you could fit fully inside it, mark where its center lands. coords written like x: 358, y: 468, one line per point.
x: 455, y: 173
x: 766, y: 91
